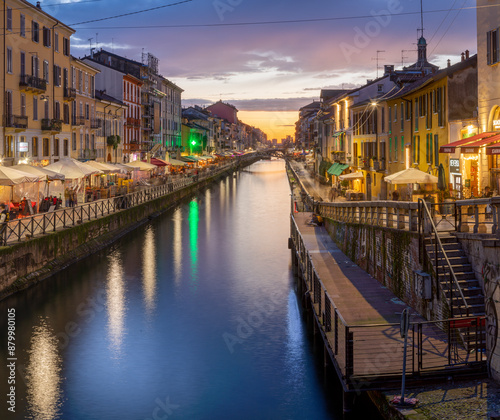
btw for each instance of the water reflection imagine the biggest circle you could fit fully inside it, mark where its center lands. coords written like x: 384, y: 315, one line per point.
x: 194, y: 218
x: 177, y: 244
x: 207, y: 208
x: 43, y: 374
x: 115, y: 296
x: 149, y: 270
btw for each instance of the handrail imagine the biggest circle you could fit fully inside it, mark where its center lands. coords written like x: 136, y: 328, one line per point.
x: 438, y: 240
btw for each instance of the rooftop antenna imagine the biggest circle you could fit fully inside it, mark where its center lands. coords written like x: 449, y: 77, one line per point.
x: 378, y: 52
x: 90, y: 40
x: 421, y: 20
x: 404, y: 56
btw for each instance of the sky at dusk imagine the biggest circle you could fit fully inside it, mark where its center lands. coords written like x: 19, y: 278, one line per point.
x: 269, y: 58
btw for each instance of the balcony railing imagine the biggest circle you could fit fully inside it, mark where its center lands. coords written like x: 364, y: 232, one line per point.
x: 69, y: 94
x: 96, y: 123
x: 134, y: 122
x: 87, y: 154
x: 51, y: 125
x: 32, y: 83
x: 16, y: 121
x: 78, y: 120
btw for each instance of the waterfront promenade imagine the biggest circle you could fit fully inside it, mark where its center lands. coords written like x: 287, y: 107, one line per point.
x: 360, y: 301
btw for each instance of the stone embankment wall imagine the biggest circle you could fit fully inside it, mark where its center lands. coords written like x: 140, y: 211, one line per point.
x: 392, y: 257
x: 483, y: 252
x: 27, y: 263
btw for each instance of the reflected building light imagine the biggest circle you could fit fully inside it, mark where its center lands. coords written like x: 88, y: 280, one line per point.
x: 208, y: 198
x: 43, y: 374
x: 115, y: 293
x: 194, y: 218
x: 149, y: 270
x: 177, y: 244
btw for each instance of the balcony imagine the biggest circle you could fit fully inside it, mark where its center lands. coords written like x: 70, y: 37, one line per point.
x: 69, y: 94
x: 87, y: 154
x: 32, y: 84
x: 133, y: 122
x: 54, y: 126
x: 16, y: 123
x: 96, y: 123
x: 78, y: 120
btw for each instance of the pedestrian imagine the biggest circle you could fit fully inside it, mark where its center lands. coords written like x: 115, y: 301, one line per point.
x: 4, y: 218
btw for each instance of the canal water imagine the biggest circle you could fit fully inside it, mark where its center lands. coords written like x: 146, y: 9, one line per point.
x: 193, y: 316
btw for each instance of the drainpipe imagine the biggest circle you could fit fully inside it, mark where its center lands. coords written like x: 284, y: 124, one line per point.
x: 4, y: 71
x: 53, y: 86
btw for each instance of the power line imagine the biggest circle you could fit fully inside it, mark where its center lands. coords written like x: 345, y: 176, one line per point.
x: 132, y: 13
x: 271, y: 22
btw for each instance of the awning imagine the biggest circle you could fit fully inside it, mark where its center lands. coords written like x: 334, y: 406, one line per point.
x: 351, y: 176
x: 474, y: 147
x: 176, y: 162
x: 188, y: 159
x: 337, y: 168
x: 157, y: 162
x: 450, y: 147
x: 338, y: 133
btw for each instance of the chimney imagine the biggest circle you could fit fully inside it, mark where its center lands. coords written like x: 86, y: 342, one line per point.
x: 38, y: 5
x: 449, y: 62
x: 463, y: 56
x: 388, y: 69
x: 466, y: 54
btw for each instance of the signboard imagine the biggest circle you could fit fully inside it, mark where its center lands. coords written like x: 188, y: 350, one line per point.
x: 493, y: 150
x: 496, y: 124
x: 23, y: 146
x: 473, y: 150
x: 455, y: 166
x: 446, y: 149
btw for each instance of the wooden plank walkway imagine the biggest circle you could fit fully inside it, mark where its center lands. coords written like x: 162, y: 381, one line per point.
x: 362, y: 301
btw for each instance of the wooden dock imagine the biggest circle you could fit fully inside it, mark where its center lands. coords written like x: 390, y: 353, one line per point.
x: 359, y: 320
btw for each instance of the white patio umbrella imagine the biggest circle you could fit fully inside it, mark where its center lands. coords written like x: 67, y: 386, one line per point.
x: 176, y: 162
x: 143, y: 166
x: 104, y: 167
x: 123, y: 167
x: 72, y: 169
x: 352, y: 175
x: 10, y: 176
x: 411, y: 176
x: 40, y: 171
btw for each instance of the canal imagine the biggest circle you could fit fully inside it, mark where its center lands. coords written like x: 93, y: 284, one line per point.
x: 192, y: 316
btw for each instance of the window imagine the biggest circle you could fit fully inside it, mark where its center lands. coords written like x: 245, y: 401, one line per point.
x: 402, y: 117
x: 46, y: 109
x: 35, y: 108
x: 35, y: 36
x: 87, y: 111
x: 46, y: 36
x: 9, y: 146
x: 66, y: 147
x: 86, y: 83
x: 34, y: 146
x: 66, y: 113
x: 416, y: 114
x: 9, y: 60
x: 395, y: 148
x: 46, y: 71
x: 22, y: 59
x: 45, y: 147
x: 382, y: 121
x: 402, y: 148
x: 436, y: 150
x: 492, y: 47
x: 23, y: 105
x: 65, y: 46
x: 56, y: 146
x: 22, y: 25
x: 56, y: 42
x: 34, y: 66
x: 390, y: 120
x: 92, y: 87
x: 57, y: 75
x: 57, y: 110
x: 73, y: 109
x: 73, y: 141
x: 9, y: 18
x: 80, y: 82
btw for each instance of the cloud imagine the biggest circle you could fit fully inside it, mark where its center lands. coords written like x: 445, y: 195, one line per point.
x: 271, y: 105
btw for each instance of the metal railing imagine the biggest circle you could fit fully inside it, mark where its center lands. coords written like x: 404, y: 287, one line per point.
x: 30, y: 227
x: 428, y: 230
x: 366, y: 355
